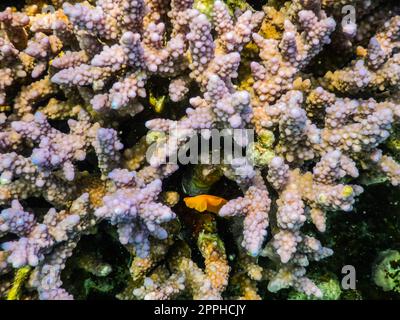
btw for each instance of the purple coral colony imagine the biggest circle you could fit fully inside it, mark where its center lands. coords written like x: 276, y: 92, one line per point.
x: 88, y: 87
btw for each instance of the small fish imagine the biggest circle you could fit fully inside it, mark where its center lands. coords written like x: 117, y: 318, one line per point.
x: 205, y: 202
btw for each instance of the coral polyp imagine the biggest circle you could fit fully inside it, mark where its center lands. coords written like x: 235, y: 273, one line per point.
x: 197, y: 149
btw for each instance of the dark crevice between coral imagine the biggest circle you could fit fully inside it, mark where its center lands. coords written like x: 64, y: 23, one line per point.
x: 370, y: 228
x: 19, y: 4
x: 84, y: 284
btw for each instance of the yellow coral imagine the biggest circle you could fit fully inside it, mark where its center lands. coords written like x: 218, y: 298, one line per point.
x: 204, y: 6
x: 246, y: 287
x: 272, y: 25
x: 216, y: 263
x: 21, y: 276
x: 5, y: 108
x: 134, y: 157
x: 347, y: 191
x: 157, y: 103
x: 60, y: 110
x: 95, y: 187
x: 394, y: 144
x: 170, y: 198
x: 361, y: 52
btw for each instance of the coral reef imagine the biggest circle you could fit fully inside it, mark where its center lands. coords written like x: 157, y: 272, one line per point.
x: 101, y: 102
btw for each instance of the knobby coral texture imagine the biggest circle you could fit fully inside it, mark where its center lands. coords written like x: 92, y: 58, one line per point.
x: 89, y: 88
